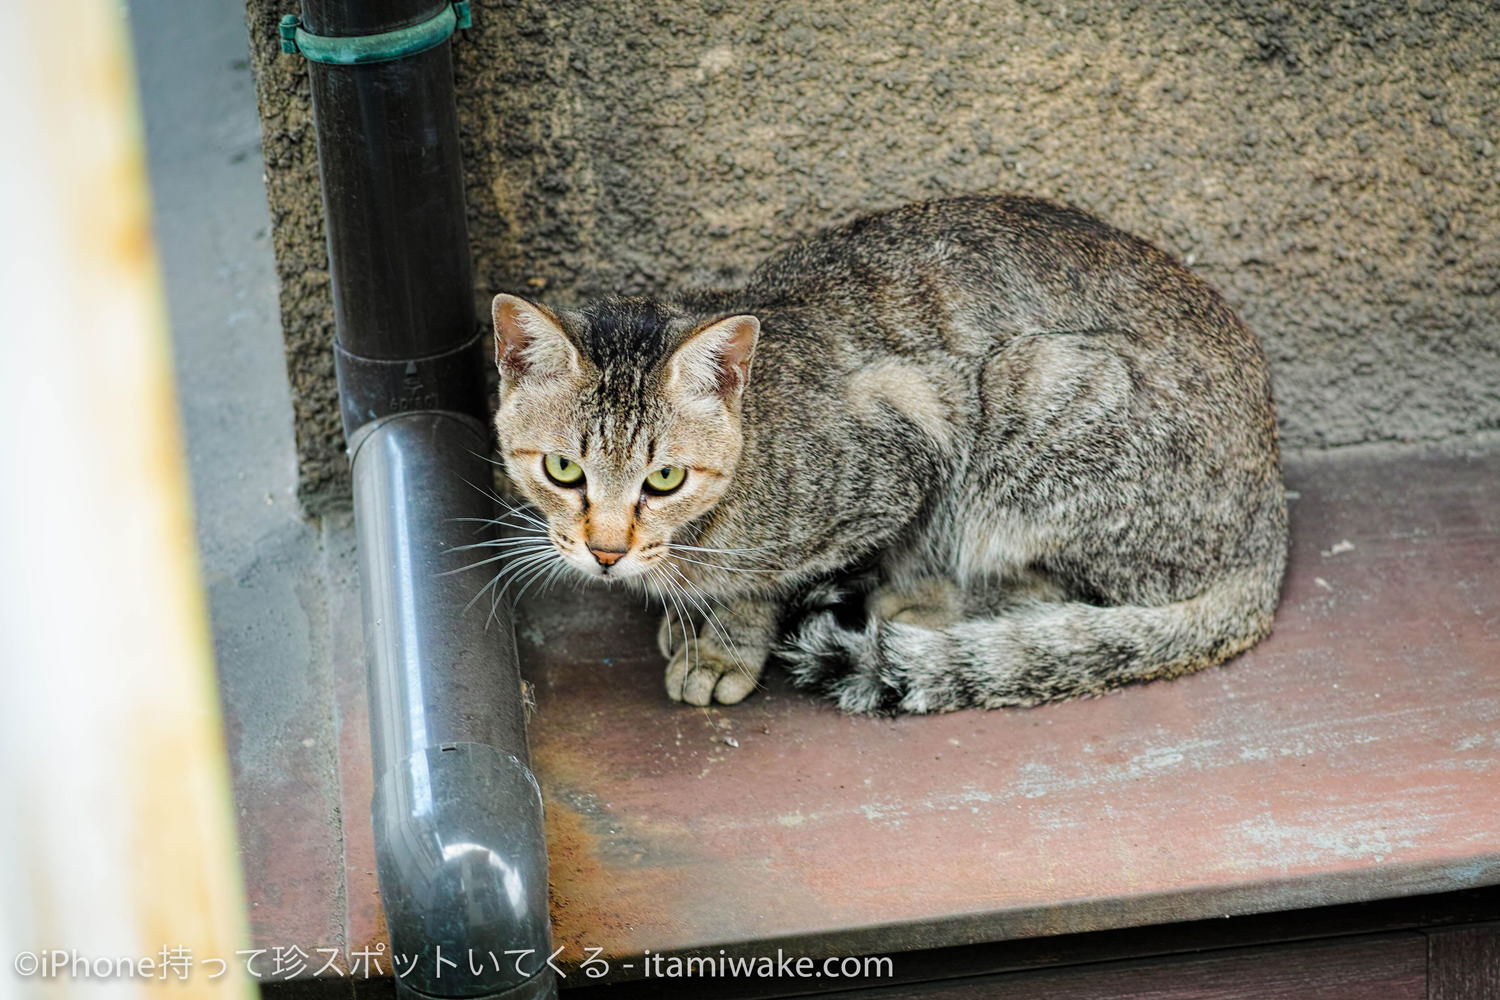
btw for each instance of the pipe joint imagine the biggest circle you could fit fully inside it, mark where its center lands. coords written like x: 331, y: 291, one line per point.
x: 359, y: 50
x: 372, y: 388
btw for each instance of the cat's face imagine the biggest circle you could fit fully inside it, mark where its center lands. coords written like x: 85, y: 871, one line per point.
x: 620, y: 424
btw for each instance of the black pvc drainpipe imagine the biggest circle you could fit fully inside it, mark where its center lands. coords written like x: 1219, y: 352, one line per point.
x: 458, y: 816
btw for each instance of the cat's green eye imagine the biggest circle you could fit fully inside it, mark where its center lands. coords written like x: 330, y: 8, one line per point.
x: 666, y: 480
x: 563, y: 471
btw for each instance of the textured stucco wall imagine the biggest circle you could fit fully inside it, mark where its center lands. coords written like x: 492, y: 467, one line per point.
x: 1332, y: 168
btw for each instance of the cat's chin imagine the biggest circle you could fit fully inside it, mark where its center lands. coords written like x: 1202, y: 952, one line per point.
x: 621, y: 572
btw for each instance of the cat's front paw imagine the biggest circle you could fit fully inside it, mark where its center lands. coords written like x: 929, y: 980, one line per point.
x: 701, y: 672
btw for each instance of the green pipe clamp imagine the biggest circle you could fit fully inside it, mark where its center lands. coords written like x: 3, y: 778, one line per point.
x: 357, y: 50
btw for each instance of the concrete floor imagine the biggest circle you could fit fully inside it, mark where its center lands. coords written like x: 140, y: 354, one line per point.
x: 264, y: 564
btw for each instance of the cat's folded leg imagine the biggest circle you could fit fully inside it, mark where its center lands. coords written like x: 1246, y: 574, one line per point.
x: 933, y: 601
x: 723, y: 661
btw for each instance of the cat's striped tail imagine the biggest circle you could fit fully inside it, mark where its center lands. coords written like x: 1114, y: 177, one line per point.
x: 1031, y: 653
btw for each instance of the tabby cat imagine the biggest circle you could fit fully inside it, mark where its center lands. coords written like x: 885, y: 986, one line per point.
x: 977, y: 452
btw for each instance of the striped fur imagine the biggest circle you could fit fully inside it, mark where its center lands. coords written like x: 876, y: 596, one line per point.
x: 990, y: 452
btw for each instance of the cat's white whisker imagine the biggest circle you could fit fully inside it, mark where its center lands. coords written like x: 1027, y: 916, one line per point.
x: 705, y: 548
x: 529, y: 521
x: 475, y: 599
x: 526, y: 564
x: 504, y: 572
x: 757, y: 561
x: 490, y: 494
x: 529, y: 575
x: 498, y: 543
x: 505, y: 505
x: 689, y: 590
x: 526, y: 525
x: 689, y: 624
x: 493, y: 461
x: 543, y: 572
x: 520, y: 510
x: 727, y: 569
x: 506, y: 509
x: 558, y: 572
x: 689, y: 587
x: 668, y: 589
x: 508, y: 574
x: 483, y: 562
x: 691, y: 593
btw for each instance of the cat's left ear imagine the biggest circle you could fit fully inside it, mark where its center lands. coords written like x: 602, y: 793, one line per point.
x: 715, y: 359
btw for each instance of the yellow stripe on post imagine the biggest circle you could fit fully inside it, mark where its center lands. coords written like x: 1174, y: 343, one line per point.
x: 118, y: 867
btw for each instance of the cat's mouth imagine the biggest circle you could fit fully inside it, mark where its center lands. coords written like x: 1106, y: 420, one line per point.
x: 609, y: 565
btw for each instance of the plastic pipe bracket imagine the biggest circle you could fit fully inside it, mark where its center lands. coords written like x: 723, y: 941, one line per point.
x: 358, y: 50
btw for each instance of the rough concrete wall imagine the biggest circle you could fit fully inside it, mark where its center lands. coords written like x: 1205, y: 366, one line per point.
x: 1331, y: 168
x: 289, y: 149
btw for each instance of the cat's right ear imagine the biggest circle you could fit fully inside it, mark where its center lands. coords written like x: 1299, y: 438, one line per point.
x: 529, y: 341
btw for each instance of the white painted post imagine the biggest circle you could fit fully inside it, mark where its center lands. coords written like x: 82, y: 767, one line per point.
x: 116, y: 833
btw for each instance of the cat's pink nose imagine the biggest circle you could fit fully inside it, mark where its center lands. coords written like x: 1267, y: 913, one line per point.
x: 607, y: 557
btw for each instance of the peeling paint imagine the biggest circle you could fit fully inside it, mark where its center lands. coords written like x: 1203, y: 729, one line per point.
x: 1336, y: 838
